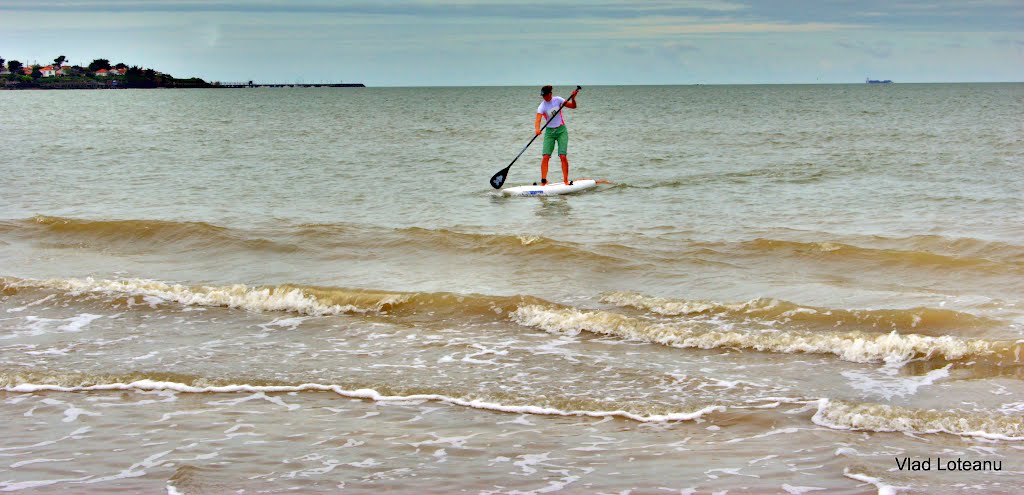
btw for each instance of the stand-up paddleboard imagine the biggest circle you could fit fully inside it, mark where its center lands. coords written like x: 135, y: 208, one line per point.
x: 552, y: 189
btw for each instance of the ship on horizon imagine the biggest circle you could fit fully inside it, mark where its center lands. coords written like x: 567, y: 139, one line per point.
x: 877, y: 81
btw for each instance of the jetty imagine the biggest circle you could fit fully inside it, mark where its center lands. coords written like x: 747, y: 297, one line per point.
x: 251, y: 84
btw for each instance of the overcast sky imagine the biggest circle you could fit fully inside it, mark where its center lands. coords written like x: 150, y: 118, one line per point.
x: 527, y: 42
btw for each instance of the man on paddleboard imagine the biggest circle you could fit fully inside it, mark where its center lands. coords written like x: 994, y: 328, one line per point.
x: 555, y: 132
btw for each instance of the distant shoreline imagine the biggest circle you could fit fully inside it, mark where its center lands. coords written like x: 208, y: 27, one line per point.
x: 88, y: 87
x: 287, y: 85
x: 101, y: 74
x: 183, y: 84
x: 13, y: 87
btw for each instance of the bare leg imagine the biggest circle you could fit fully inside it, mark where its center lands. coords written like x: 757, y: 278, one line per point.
x: 565, y: 168
x: 544, y: 170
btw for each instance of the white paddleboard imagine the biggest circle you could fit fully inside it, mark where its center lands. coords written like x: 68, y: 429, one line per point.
x: 552, y: 189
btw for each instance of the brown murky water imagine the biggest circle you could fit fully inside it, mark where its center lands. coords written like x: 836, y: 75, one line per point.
x: 788, y: 289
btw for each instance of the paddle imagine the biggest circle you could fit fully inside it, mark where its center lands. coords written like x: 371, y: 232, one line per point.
x: 499, y: 178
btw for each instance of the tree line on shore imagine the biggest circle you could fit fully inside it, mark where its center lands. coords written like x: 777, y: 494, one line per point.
x: 78, y: 76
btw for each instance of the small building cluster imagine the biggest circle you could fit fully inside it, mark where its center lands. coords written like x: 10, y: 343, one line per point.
x: 63, y: 70
x: 111, y: 72
x: 98, y: 74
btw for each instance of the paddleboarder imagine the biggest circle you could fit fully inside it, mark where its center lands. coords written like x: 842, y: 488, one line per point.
x: 555, y: 132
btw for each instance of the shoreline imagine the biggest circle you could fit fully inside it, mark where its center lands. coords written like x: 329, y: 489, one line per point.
x: 212, y: 86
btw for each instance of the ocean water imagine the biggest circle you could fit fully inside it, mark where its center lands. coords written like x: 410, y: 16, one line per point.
x: 785, y: 289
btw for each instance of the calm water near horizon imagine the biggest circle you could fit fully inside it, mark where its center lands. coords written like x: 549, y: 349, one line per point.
x: 784, y: 289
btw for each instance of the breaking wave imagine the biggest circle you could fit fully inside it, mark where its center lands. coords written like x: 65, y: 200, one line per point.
x: 301, y: 299
x: 854, y: 346
x: 879, y: 417
x: 32, y: 382
x: 920, y: 319
x: 833, y: 414
x: 849, y: 345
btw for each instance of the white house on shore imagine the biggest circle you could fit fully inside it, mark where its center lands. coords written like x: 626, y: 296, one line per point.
x: 63, y: 70
x: 111, y: 72
x: 48, y: 71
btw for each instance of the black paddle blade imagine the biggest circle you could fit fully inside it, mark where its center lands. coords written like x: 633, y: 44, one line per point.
x: 499, y: 178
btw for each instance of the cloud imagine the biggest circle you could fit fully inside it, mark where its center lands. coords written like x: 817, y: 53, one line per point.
x: 210, y: 34
x: 424, y: 42
x: 777, y: 16
x: 735, y: 27
x: 678, y: 47
x: 661, y: 49
x: 878, y: 49
x: 1008, y: 41
x: 530, y: 9
x: 872, y: 14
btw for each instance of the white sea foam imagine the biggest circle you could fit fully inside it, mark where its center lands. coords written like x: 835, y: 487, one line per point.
x: 454, y: 442
x: 29, y: 305
x: 35, y: 325
x: 289, y: 323
x: 256, y: 396
x: 859, y: 347
x: 153, y: 385
x: 290, y: 299
x: 664, y: 306
x: 768, y: 311
x: 528, y: 461
x: 526, y: 240
x: 75, y: 435
x: 137, y: 469
x: 37, y: 461
x: 11, y: 486
x: 880, y: 417
x: 888, y: 383
x: 366, y: 463
x: 71, y: 412
x: 730, y: 471
x: 800, y: 490
x: 781, y: 431
x: 883, y: 487
x: 151, y: 354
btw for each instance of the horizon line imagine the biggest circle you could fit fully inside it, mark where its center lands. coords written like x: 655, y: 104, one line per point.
x: 862, y: 83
